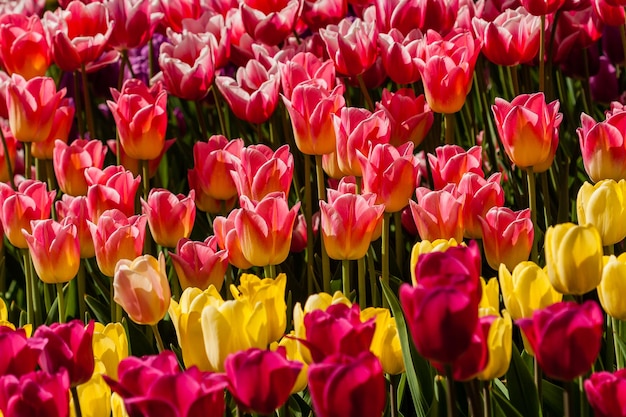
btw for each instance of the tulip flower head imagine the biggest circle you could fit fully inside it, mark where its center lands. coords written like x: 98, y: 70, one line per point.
x: 603, y: 147
x: 602, y: 205
x: 611, y: 286
x: 24, y: 47
x: 605, y: 392
x: 200, y: 264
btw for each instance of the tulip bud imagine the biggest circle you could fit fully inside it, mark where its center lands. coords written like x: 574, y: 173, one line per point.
x: 612, y: 287
x: 604, y: 206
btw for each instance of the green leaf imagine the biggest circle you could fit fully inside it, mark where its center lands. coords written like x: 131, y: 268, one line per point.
x: 503, y: 407
x: 522, y: 390
x: 100, y: 311
x: 414, y: 364
x: 552, y: 398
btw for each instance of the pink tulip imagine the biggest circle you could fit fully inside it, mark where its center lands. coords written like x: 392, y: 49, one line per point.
x: 605, y: 391
x: 410, y: 117
x: 603, y: 147
x: 351, y: 45
x: 269, y: 22
x: 507, y: 236
x: 186, y: 62
x: 71, y: 161
x: 212, y: 27
x: 32, y: 106
x: 438, y: 214
x: 402, y: 16
x: 200, y: 264
x: 391, y: 173
x: 253, y: 95
x: 263, y: 171
x: 135, y: 21
x: 21, y: 353
x: 61, y: 126
x: 175, y: 11
x: 228, y: 239
x: 170, y: 216
x: 265, y: 229
x: 480, y: 195
x: 311, y: 110
x: 348, y: 223
x: 30, y: 202
x: 74, y: 210
x: 399, y: 55
x: 141, y: 118
x: 305, y: 66
x: 116, y: 237
x: 542, y: 7
x: 511, y: 39
x: 37, y: 393
x: 54, y: 249
x: 24, y: 48
x: 79, y: 33
x: 610, y: 15
x: 261, y: 380
x: 111, y: 188
x: 318, y: 14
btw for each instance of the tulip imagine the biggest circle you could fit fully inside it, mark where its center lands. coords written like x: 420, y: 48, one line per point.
x: 141, y: 288
x: 94, y: 396
x: 24, y: 48
x: 186, y: 62
x: 32, y: 106
x: 319, y: 14
x: 71, y: 161
x: 228, y: 239
x: 261, y: 380
x: 526, y: 289
x: 11, y: 150
x: 63, y: 119
x: 399, y: 55
x: 605, y: 392
x: 35, y: 394
x: 351, y: 45
x: 54, y: 249
x: 270, y: 22
x: 110, y: 347
x: 601, y: 205
x: 573, y: 257
x: 263, y: 171
x: 480, y: 196
x: 603, y: 147
x: 410, y: 117
x: 74, y: 209
x: 290, y: 344
x: 213, y: 28
x: 141, y: 118
x: 111, y: 188
x: 542, y: 7
x: 200, y: 264
x: 69, y: 347
x: 170, y: 216
x: 507, y: 236
x: 447, y: 68
x: 254, y: 94
x: 390, y: 173
x: 341, y: 377
x: 311, y: 109
x: 499, y: 342
x: 438, y: 214
x: 490, y: 300
x: 426, y: 246
x: 386, y: 342
x: 512, y: 38
x: 265, y: 229
x: 78, y: 33
x: 306, y: 67
x: 565, y: 338
x: 21, y: 353
x: 135, y: 21
x: 30, y: 202
x: 451, y: 162
x: 175, y: 11
x: 271, y: 294
x: 611, y: 287
x: 528, y: 128
x: 117, y: 237
x: 448, y: 291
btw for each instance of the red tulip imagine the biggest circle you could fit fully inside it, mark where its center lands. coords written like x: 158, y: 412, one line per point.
x: 170, y: 216
x: 351, y: 45
x: 438, y: 214
x: 24, y: 48
x: 507, y: 236
x: 61, y: 126
x: 261, y: 380
x: 452, y: 162
x: 410, y: 117
x: 318, y: 14
x: 71, y: 161
x: 305, y: 66
x: 21, y: 353
x: 542, y: 7
x: 200, y: 264
x: 175, y: 11
x: 110, y: 188
x: 399, y: 55
x: 342, y: 377
x: 135, y: 21
x: 212, y: 27
x: 603, y: 147
x: 37, y: 393
x: 480, y: 195
x: 565, y: 337
x: 605, y: 392
x: 262, y: 171
x: 269, y: 22
x: 69, y: 347
x: 399, y: 15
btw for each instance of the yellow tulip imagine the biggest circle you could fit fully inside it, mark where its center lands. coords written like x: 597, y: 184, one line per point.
x: 527, y: 289
x: 110, y: 346
x: 573, y: 257
x: 604, y: 206
x: 491, y: 294
x: 271, y: 293
x: 613, y: 287
x: 186, y: 316
x: 117, y: 406
x: 319, y: 301
x: 94, y: 395
x: 426, y: 246
x: 293, y: 354
x: 500, y: 342
x: 386, y: 342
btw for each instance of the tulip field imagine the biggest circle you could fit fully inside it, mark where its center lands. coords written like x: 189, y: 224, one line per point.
x: 313, y: 208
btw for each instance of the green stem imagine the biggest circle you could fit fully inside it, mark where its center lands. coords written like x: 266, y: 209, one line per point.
x: 120, y: 77
x: 487, y: 398
x: 157, y: 338
x: 145, y: 178
x: 88, y: 109
x: 366, y: 93
x: 218, y: 110
x: 60, y: 302
x: 582, y: 403
x: 450, y: 392
x: 619, y: 357
x: 270, y: 271
x: 151, y: 63
x: 308, y: 214
x: 47, y: 298
x: 532, y: 204
x: 76, y: 399
x: 50, y: 177
x: 201, y: 121
x: 361, y: 283
x: 542, y: 35
x: 7, y: 159
x: 228, y: 281
x: 80, y: 121
x: 514, y: 81
x: 28, y: 160
x: 112, y: 303
x: 397, y: 221
x: 82, y: 290
x: 384, y: 252
x: 393, y: 395
x: 321, y: 193
x: 345, y: 275
x: 545, y: 191
x: 449, y: 120
x: 29, y: 287
x: 622, y: 32
x: 567, y: 399
x: 538, y: 376
x: 473, y: 395
x: 372, y: 275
